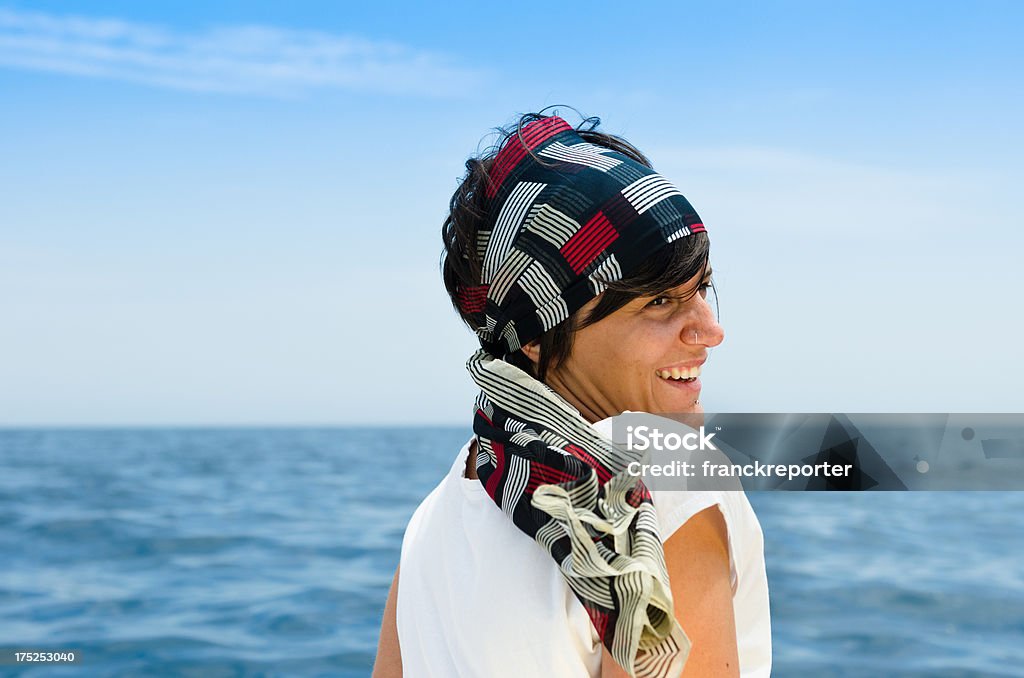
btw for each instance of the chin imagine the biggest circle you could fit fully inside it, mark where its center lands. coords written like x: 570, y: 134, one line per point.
x: 691, y: 414
x: 680, y: 406
x: 697, y: 408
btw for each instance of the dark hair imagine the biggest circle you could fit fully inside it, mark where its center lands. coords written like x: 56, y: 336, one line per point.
x: 462, y: 263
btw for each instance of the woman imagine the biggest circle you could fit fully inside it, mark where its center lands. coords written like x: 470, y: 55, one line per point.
x: 584, y: 274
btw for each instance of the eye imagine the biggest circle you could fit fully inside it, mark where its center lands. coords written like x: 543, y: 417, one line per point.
x: 703, y: 289
x: 658, y: 301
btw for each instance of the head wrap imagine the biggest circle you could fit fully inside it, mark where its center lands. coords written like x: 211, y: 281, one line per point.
x: 566, y: 217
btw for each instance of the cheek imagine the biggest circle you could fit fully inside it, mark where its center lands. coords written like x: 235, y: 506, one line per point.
x: 610, y: 367
x: 655, y: 346
x: 636, y: 367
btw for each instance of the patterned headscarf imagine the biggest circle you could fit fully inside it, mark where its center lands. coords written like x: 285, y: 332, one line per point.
x: 566, y: 217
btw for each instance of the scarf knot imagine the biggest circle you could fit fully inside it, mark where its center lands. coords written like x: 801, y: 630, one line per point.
x: 567, y: 487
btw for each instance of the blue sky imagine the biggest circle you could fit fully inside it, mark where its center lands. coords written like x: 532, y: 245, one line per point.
x: 228, y: 213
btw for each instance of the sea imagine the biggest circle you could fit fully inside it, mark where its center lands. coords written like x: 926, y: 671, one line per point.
x: 269, y: 552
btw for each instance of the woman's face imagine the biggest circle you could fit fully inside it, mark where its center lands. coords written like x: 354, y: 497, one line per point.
x: 638, y: 357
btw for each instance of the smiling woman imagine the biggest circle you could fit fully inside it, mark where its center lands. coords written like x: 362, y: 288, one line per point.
x: 646, y: 355
x: 585, y: 275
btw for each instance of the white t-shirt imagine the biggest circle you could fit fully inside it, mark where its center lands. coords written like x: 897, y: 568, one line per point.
x: 478, y: 597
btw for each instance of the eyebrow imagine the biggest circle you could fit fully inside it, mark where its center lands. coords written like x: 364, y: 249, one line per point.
x: 708, y: 274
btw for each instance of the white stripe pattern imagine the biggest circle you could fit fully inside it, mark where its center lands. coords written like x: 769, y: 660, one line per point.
x: 484, y: 403
x: 517, y: 474
x: 551, y: 224
x: 523, y: 437
x: 648, y: 192
x: 506, y: 229
x: 509, y: 273
x: 646, y: 639
x: 582, y: 154
x: 511, y: 338
x: 595, y: 590
x: 485, y: 453
x: 552, y: 313
x: 482, y: 238
x: 606, y: 272
x: 681, y: 233
x: 542, y: 290
x: 514, y: 426
x: 554, y: 441
x: 549, y: 533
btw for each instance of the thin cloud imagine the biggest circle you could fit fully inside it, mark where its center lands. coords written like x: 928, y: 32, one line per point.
x: 230, y: 59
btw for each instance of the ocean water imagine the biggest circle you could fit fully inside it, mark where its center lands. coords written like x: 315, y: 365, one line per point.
x: 239, y: 552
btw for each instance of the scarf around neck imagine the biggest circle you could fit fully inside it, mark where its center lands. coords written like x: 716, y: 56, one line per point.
x: 565, y: 217
x: 566, y: 486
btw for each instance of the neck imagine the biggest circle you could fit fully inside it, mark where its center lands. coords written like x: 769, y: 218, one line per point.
x: 589, y: 408
x: 471, y: 461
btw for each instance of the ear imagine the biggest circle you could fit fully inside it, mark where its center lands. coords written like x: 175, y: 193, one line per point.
x: 532, y: 351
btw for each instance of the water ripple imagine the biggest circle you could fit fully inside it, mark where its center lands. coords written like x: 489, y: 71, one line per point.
x: 270, y: 552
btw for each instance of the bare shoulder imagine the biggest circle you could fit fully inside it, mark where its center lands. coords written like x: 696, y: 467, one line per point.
x: 697, y: 557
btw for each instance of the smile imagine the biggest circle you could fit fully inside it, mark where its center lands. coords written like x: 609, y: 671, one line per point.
x: 680, y: 373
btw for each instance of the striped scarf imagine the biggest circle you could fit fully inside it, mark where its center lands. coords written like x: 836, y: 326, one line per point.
x: 565, y: 485
x: 565, y: 218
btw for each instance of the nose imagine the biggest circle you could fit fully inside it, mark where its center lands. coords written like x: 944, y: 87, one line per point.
x: 702, y: 328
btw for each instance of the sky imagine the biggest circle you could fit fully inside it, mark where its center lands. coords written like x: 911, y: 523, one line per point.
x: 229, y: 213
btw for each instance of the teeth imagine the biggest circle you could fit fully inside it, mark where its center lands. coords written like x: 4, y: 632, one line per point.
x: 677, y: 373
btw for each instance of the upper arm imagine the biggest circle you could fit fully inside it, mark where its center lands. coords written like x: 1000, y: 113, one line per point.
x: 609, y: 667
x: 697, y: 557
x: 389, y: 656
